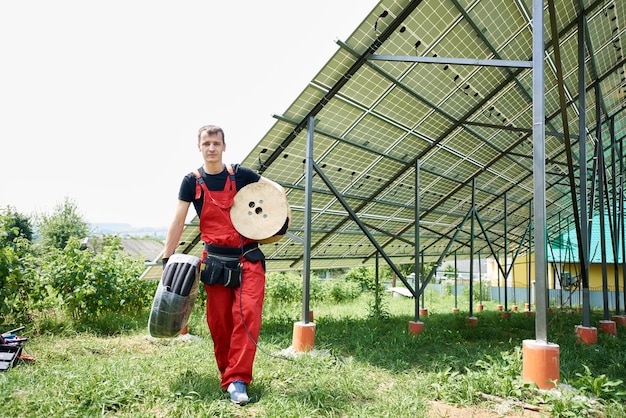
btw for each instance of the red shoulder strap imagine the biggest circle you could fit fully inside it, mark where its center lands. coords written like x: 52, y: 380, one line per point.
x: 199, y: 184
x: 231, y: 174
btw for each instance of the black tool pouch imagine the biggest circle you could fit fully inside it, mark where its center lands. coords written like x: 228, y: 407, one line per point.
x: 224, y: 271
x: 255, y: 254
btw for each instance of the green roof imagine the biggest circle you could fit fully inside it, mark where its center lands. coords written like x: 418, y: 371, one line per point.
x: 565, y: 248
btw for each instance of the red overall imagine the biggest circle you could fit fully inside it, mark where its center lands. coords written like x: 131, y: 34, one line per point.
x: 233, y: 315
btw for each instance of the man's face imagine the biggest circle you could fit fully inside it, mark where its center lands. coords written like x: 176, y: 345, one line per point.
x: 211, y: 146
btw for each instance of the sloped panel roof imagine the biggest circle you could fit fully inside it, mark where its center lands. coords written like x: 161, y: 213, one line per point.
x: 375, y: 118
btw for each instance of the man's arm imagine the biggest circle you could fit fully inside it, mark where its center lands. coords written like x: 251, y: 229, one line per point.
x: 176, y: 228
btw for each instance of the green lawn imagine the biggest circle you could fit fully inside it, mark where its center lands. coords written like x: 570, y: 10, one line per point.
x: 360, y: 367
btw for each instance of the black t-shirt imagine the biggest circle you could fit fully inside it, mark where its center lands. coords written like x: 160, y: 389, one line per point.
x: 217, y: 182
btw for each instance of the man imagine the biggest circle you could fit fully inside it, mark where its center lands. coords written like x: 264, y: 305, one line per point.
x: 233, y: 313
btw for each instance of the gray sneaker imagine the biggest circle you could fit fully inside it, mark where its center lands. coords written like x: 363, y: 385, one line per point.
x: 237, y: 391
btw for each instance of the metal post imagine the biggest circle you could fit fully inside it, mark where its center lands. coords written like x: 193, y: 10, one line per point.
x: 377, y: 299
x: 480, y: 278
x: 455, y: 282
x: 471, y: 274
x: 422, y: 280
x: 622, y: 195
x: 601, y: 209
x: 506, y: 254
x: 530, y: 252
x: 539, y: 173
x: 499, y: 273
x: 583, y: 245
x: 417, y: 238
x: 308, y: 199
x: 616, y: 229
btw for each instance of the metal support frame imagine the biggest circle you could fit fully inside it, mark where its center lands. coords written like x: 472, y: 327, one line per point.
x: 456, y: 288
x: 530, y: 249
x: 362, y: 226
x: 506, y: 252
x: 480, y: 278
x: 308, y: 199
x: 601, y: 209
x: 622, y: 196
x: 615, y: 230
x: 539, y: 175
x: 471, y: 274
x: 418, y: 265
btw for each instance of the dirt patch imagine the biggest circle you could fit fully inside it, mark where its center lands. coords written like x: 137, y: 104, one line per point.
x: 442, y: 410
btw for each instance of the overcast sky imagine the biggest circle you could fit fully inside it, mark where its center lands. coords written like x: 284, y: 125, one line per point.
x: 100, y: 101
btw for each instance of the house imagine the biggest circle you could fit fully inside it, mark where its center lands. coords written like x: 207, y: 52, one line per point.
x: 564, y: 271
x: 145, y: 250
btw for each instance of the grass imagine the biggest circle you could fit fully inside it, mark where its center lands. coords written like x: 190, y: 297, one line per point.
x: 361, y: 367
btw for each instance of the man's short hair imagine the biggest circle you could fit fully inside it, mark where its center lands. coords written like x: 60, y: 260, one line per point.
x: 211, y: 130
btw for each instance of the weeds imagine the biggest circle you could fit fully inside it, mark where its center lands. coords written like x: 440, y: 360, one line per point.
x: 362, y: 366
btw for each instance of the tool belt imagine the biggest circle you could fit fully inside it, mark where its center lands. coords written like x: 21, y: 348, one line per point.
x: 222, y: 265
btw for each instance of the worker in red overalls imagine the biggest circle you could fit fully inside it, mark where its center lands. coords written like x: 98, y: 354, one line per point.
x: 233, y: 269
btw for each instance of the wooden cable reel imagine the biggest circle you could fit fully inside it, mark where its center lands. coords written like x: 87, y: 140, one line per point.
x: 260, y: 212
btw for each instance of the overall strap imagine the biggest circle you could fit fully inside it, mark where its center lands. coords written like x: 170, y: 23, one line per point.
x: 201, y: 185
x: 231, y: 174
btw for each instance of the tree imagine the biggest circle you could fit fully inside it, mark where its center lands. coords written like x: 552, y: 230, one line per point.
x: 14, y: 224
x: 64, y: 223
x: 14, y: 247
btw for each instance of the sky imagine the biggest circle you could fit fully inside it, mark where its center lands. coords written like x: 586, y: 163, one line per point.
x: 100, y: 101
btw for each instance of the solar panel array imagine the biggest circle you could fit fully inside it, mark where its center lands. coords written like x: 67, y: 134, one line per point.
x: 464, y: 124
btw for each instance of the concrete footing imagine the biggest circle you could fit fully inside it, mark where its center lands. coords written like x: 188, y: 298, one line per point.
x: 416, y: 327
x: 620, y: 320
x: 303, y: 336
x: 540, y: 363
x: 587, y: 335
x: 608, y: 327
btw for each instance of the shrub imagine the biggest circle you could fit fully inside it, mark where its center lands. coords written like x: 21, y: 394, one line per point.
x: 14, y: 288
x: 286, y: 287
x: 90, y: 284
x: 283, y: 288
x: 476, y: 291
x: 343, y: 291
x: 365, y: 276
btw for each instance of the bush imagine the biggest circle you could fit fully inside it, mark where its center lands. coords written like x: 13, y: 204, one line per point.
x: 286, y: 288
x: 465, y: 293
x: 14, y: 291
x: 49, y: 281
x: 90, y: 285
x: 365, y: 276
x: 283, y: 288
x: 344, y: 291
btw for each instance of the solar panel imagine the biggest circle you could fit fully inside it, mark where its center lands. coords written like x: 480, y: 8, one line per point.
x: 374, y: 119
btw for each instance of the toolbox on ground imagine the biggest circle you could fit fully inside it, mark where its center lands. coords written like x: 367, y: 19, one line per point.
x: 10, y: 348
x: 9, y: 355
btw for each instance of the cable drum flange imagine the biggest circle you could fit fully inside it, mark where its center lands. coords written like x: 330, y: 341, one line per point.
x: 260, y: 212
